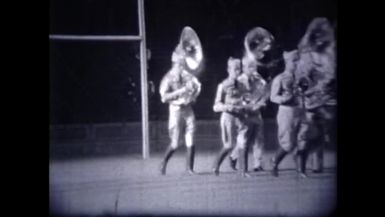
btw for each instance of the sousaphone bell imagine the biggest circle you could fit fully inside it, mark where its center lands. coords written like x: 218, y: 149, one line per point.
x: 189, y: 49
x: 257, y: 42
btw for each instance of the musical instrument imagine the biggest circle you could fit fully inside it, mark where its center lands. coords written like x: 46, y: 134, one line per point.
x: 257, y: 41
x: 189, y: 52
x: 317, y: 63
x: 189, y: 49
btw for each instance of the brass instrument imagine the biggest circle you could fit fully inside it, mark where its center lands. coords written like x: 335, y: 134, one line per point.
x: 189, y: 52
x: 257, y: 41
x: 317, y: 63
x: 189, y: 49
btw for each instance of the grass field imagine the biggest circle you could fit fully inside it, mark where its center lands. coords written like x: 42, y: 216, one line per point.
x: 128, y: 185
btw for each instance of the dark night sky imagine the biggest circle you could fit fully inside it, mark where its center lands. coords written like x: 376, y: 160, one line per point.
x: 90, y: 81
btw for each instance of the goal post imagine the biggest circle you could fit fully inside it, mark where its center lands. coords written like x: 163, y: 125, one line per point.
x: 141, y: 38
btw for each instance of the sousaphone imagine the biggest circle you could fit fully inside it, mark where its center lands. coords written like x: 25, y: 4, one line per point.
x: 189, y: 49
x: 257, y: 42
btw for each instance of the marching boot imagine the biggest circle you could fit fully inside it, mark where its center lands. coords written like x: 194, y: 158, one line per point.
x: 233, y: 163
x: 296, y: 161
x: 302, y: 157
x: 243, y: 162
x: 190, y: 160
x: 167, y: 157
x: 276, y: 160
x: 318, y: 161
x: 233, y: 159
x: 219, y: 159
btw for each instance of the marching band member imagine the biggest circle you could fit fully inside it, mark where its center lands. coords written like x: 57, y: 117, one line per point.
x: 180, y: 89
x: 228, y: 101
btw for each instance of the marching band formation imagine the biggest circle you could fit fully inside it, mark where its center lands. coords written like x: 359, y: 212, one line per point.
x: 305, y: 92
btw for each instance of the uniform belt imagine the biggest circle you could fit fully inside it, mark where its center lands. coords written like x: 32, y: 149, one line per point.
x: 233, y: 114
x: 181, y: 106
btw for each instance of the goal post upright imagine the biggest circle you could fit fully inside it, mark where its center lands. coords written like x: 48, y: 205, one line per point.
x: 144, y: 81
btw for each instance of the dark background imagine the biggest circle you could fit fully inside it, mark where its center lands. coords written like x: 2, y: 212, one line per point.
x: 97, y: 82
